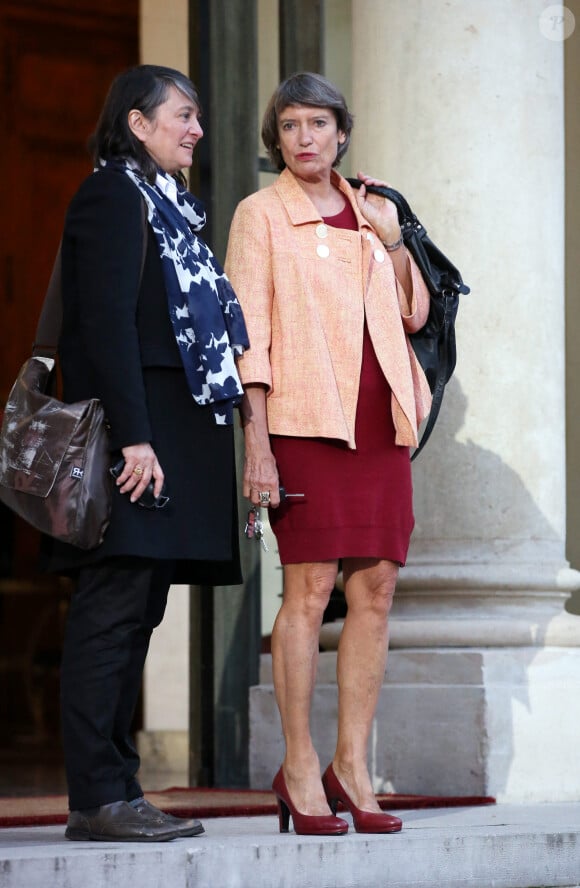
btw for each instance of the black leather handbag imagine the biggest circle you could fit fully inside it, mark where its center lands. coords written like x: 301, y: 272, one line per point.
x: 434, y: 344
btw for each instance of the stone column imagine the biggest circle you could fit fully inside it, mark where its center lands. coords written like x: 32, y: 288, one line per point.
x: 460, y: 106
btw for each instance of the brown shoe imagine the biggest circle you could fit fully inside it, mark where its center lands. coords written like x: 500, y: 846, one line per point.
x: 117, y: 822
x: 185, y: 827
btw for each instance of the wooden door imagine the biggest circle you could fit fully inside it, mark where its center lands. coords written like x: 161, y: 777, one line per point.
x: 57, y: 59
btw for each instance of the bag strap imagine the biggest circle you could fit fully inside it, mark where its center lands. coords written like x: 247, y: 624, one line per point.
x: 438, y: 389
x: 50, y: 320
x: 406, y: 215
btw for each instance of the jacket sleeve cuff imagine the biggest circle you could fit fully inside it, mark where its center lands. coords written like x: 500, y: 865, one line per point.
x: 414, y: 306
x: 255, y: 369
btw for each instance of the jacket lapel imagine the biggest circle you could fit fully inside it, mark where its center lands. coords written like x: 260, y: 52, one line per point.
x: 300, y: 208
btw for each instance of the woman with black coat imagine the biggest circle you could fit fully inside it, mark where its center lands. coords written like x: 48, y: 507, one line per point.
x: 150, y: 327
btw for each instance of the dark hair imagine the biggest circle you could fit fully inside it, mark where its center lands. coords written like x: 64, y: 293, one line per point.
x: 304, y: 89
x: 144, y: 88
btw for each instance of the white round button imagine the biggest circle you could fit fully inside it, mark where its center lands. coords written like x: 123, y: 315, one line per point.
x: 322, y: 230
x: 379, y: 255
x: 323, y: 251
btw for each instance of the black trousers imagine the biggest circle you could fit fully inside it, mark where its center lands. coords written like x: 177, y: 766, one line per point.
x: 114, y: 609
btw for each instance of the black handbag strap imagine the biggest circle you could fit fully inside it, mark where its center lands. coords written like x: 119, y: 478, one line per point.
x: 406, y: 215
x: 50, y: 320
x: 438, y: 391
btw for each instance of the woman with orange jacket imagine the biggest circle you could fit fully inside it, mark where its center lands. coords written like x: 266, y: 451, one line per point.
x: 333, y: 400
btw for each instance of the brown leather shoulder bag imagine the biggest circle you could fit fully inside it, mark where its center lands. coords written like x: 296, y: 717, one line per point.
x: 54, y: 457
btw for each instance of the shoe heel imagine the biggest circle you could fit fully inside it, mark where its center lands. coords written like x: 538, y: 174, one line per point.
x: 283, y: 816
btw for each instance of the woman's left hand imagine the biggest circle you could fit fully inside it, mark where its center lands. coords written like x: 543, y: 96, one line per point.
x: 380, y: 212
x: 141, y: 467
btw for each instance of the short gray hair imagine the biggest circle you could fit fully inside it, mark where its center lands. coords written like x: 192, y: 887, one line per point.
x: 305, y: 88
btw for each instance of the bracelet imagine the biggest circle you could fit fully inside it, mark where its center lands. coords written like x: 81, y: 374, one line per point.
x: 390, y: 248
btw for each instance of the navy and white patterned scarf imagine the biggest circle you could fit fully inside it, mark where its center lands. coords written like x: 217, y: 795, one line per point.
x: 207, y: 318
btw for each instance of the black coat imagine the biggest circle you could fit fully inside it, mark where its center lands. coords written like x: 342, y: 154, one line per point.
x: 117, y: 344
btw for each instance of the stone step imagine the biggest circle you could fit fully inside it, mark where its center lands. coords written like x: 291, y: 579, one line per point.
x: 496, y: 846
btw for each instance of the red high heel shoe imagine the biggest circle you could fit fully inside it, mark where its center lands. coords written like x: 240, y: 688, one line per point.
x: 304, y: 824
x: 364, y: 821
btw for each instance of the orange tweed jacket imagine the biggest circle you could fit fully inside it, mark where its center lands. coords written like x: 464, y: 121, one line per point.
x: 305, y: 289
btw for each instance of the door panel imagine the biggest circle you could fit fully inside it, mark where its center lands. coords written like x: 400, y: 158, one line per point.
x: 57, y: 66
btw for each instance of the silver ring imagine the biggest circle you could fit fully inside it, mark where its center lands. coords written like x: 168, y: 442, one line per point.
x: 264, y: 497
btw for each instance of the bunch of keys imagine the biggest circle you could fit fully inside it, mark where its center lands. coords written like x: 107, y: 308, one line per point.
x: 254, y: 529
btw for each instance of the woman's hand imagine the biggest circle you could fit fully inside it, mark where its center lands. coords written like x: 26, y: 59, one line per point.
x: 141, y: 466
x: 379, y: 212
x: 382, y: 214
x: 261, y: 476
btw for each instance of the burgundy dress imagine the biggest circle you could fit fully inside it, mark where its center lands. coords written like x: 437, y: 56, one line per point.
x: 357, y: 503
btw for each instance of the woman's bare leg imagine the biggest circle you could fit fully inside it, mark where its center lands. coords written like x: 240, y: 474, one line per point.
x: 362, y: 656
x: 307, y: 589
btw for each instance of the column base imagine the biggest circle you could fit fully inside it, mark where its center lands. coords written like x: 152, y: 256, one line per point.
x: 447, y: 629
x: 487, y: 722
x: 478, y: 603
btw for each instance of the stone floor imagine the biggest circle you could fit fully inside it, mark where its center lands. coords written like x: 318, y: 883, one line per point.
x: 498, y: 846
